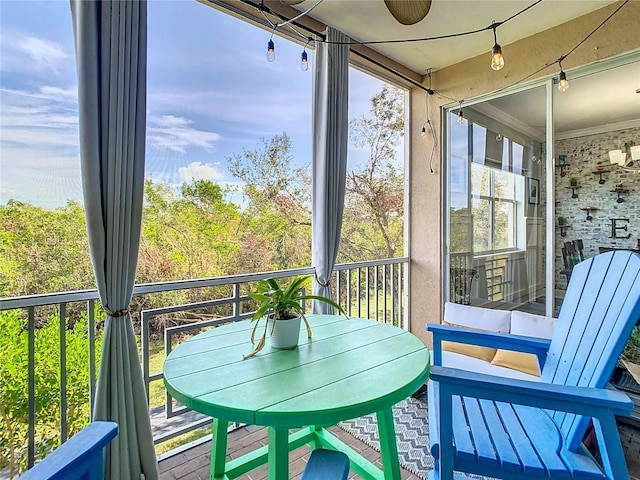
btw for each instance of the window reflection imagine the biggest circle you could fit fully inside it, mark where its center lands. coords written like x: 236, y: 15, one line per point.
x: 490, y: 216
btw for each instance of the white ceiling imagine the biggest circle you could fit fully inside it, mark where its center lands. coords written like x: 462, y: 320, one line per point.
x: 369, y: 20
x: 608, y: 98
x: 594, y: 103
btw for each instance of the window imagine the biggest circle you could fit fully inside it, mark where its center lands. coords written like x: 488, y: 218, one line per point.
x: 496, y: 189
x: 494, y: 208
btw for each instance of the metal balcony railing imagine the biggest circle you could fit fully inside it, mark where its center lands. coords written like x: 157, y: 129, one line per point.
x: 372, y: 289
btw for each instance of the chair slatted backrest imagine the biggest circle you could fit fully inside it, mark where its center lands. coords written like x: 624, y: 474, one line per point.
x: 600, y: 310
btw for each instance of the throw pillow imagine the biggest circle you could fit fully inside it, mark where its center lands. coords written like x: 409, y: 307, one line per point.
x: 530, y: 325
x: 483, y: 353
x: 523, y: 362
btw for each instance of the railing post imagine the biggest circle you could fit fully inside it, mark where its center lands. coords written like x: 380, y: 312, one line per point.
x: 393, y: 296
x: 31, y: 435
x: 377, y: 276
x: 144, y: 333
x: 91, y: 335
x: 384, y: 294
x: 368, y: 287
x: 62, y: 319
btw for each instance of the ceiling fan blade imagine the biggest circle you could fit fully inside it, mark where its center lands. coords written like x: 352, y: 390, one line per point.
x: 292, y: 2
x: 408, y: 12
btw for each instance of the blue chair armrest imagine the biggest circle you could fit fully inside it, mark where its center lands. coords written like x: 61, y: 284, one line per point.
x: 590, y: 402
x: 482, y: 338
x: 80, y: 457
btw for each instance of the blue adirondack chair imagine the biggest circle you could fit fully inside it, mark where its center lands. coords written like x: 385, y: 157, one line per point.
x: 517, y: 429
x: 79, y: 458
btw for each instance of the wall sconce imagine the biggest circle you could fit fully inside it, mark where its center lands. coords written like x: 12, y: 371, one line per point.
x: 626, y: 156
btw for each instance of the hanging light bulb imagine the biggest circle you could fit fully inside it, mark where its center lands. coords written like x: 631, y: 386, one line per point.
x: 563, y: 83
x: 460, y: 117
x: 304, y: 63
x: 497, y: 60
x: 423, y: 132
x: 271, y: 51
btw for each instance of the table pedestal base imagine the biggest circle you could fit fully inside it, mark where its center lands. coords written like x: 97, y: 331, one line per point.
x: 276, y: 453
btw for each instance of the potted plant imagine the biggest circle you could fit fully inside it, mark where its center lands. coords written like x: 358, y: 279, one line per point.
x: 562, y: 220
x: 573, y: 181
x: 282, y: 310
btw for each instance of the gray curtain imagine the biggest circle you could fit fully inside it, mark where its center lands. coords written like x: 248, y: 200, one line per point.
x: 330, y: 136
x: 111, y: 47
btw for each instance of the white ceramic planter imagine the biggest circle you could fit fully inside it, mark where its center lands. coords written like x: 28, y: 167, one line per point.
x: 286, y: 333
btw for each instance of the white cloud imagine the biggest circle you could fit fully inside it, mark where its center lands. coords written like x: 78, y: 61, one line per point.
x: 251, y: 110
x: 45, y: 53
x: 199, y: 171
x: 23, y: 52
x: 38, y: 120
x: 171, y: 121
x: 59, y: 93
x: 40, y: 176
x: 173, y: 133
x: 39, y: 148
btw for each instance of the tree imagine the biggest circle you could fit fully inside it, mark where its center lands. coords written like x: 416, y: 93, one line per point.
x: 374, y: 201
x: 14, y: 385
x: 43, y: 250
x: 190, y: 233
x: 277, y: 220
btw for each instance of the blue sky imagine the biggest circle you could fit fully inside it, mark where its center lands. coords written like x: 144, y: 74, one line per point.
x: 211, y: 94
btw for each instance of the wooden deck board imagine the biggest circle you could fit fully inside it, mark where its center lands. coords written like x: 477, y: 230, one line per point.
x: 193, y: 464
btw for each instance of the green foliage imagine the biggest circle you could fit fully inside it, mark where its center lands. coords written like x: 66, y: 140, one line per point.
x: 373, y: 220
x: 282, y: 303
x: 276, y: 224
x: 14, y: 385
x: 43, y: 250
x: 632, y: 348
x: 197, y: 231
x: 460, y: 226
x: 277, y: 303
x: 187, y: 236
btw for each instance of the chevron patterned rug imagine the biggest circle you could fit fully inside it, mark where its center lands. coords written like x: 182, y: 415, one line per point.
x: 412, y: 434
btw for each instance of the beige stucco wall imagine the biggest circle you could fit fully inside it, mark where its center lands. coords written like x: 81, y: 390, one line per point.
x: 473, y: 78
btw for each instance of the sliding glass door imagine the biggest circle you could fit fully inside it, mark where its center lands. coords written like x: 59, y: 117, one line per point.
x: 496, y: 199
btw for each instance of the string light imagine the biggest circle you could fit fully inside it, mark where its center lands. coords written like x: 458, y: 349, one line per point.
x: 271, y: 55
x: 497, y: 60
x: 304, y: 59
x: 563, y: 83
x: 271, y: 50
x: 427, y: 123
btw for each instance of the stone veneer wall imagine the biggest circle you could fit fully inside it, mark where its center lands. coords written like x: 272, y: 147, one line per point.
x: 584, y: 155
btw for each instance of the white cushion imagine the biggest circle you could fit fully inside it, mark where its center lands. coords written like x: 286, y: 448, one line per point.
x: 531, y: 325
x: 472, y: 364
x: 477, y: 317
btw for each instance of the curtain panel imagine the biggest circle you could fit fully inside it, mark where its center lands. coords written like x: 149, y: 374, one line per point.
x: 330, y: 137
x: 111, y: 55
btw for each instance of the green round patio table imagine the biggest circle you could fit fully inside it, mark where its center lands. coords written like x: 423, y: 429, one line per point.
x: 350, y: 368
